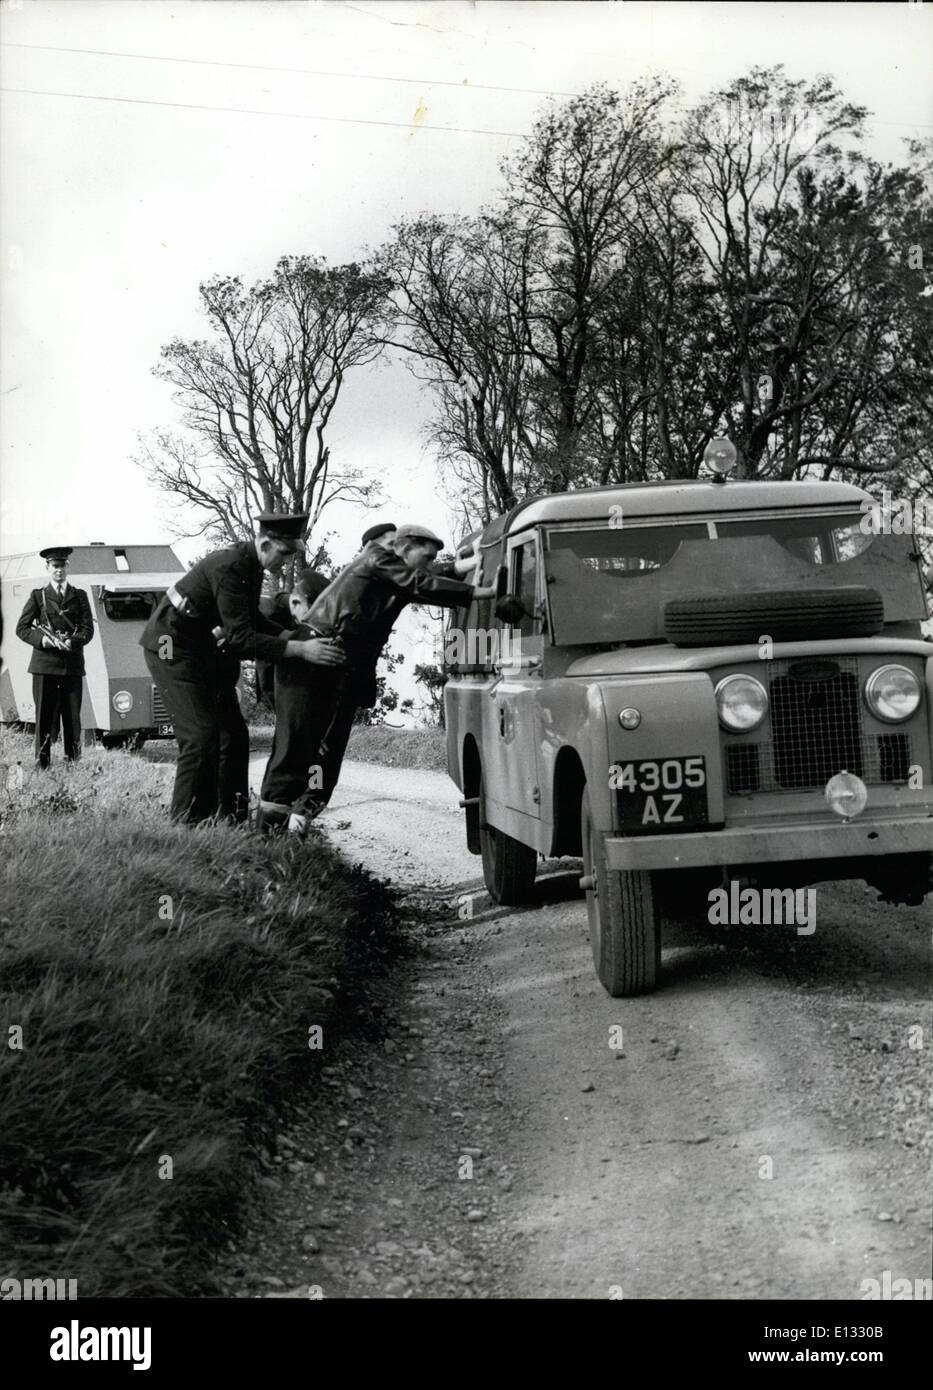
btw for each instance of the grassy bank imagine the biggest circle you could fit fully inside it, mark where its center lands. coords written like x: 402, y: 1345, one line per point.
x: 422, y: 748
x: 158, y: 986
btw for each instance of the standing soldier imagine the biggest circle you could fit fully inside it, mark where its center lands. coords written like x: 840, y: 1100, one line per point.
x: 57, y: 622
x: 206, y: 623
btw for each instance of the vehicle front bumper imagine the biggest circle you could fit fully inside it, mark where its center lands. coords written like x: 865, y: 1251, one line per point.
x: 772, y: 844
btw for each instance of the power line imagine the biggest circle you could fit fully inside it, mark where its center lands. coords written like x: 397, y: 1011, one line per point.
x: 308, y: 72
x: 251, y: 111
x: 354, y: 77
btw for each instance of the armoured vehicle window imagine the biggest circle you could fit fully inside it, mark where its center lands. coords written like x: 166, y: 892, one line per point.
x: 130, y: 607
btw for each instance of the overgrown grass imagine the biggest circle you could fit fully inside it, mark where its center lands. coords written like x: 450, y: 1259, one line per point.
x: 421, y: 748
x: 164, y: 982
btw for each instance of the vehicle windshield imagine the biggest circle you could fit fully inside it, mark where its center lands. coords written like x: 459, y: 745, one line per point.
x: 625, y: 552
x: 130, y: 605
x: 818, y: 540
x: 610, y: 584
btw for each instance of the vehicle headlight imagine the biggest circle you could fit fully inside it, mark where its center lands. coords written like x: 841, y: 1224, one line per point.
x: 846, y: 794
x: 742, y: 703
x: 892, y: 693
x: 123, y: 702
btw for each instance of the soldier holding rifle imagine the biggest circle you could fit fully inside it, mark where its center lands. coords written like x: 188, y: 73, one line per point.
x: 57, y: 621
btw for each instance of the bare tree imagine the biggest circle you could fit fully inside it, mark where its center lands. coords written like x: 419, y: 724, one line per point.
x: 501, y: 312
x: 639, y: 288
x: 258, y: 396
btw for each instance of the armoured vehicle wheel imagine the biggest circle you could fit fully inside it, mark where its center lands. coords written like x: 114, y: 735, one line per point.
x: 624, y: 916
x: 509, y: 867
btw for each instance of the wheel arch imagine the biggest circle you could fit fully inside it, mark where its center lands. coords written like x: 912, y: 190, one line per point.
x: 471, y: 766
x: 569, y: 785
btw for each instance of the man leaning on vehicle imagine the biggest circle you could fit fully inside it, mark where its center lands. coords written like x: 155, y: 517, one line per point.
x: 358, y: 611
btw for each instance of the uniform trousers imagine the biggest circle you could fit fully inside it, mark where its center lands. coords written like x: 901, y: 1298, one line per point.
x: 306, y: 701
x: 58, y: 701
x: 212, y: 773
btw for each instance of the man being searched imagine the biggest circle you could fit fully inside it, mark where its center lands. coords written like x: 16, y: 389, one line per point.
x: 302, y: 697
x: 204, y: 625
x: 358, y: 611
x: 384, y: 534
x: 284, y: 609
x: 57, y: 622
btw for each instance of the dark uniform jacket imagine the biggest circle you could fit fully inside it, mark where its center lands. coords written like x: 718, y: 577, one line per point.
x: 361, y: 605
x: 70, y: 618
x: 222, y: 590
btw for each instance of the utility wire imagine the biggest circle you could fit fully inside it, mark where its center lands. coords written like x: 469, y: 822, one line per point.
x: 346, y: 76
x: 309, y: 72
x: 252, y: 111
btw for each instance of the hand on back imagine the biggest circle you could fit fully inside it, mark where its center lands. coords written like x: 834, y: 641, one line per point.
x: 322, y: 651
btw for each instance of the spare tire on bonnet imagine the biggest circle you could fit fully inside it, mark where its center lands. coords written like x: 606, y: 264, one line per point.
x: 784, y: 615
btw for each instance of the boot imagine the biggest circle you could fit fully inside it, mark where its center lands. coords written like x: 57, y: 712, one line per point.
x: 271, y: 816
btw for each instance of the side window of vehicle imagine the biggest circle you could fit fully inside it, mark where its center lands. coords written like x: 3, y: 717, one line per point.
x: 525, y: 586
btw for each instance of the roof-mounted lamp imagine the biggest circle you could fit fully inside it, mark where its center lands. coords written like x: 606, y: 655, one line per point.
x: 719, y: 457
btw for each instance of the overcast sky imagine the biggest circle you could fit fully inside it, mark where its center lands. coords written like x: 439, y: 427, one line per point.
x: 114, y: 210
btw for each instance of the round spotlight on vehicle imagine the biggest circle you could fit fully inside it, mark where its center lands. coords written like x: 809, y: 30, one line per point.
x: 846, y: 794
x: 892, y: 693
x: 742, y: 703
x: 719, y: 457
x: 629, y: 718
x: 122, y: 702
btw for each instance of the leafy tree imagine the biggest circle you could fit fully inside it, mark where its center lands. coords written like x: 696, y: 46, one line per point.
x: 433, y: 679
x: 500, y: 312
x: 640, y: 286
x: 386, y: 697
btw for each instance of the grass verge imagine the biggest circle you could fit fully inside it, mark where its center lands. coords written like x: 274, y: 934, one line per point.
x: 157, y: 988
x: 421, y: 748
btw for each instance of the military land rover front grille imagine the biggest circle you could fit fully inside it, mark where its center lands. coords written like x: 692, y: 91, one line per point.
x: 817, y: 730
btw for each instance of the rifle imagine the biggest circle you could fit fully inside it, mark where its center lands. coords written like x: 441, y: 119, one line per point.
x: 62, y: 644
x: 59, y: 643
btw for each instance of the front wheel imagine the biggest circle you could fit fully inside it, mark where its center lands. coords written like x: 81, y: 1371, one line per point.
x: 509, y: 867
x: 624, y: 916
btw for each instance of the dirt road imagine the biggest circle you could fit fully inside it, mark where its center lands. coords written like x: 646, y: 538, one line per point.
x: 762, y: 1131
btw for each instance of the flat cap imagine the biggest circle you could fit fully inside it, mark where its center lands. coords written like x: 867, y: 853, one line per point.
x: 283, y: 526
x: 412, y: 532
x: 56, y: 552
x: 374, y: 532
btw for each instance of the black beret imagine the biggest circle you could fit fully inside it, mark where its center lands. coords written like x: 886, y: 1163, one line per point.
x: 375, y: 532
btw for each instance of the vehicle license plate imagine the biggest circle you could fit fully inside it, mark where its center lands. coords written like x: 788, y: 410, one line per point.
x: 166, y: 730
x: 661, y: 795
